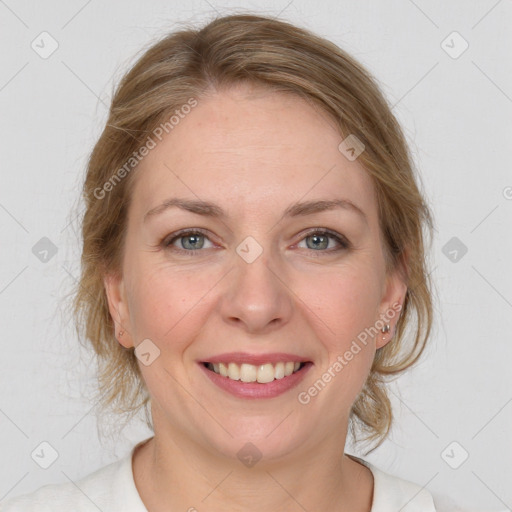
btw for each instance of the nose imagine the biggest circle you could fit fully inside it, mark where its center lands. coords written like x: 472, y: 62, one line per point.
x: 257, y: 297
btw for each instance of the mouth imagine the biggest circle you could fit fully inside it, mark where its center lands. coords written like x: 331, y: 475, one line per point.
x: 250, y: 376
x: 261, y: 373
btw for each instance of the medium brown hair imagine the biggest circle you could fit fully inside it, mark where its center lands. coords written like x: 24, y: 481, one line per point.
x: 275, y: 54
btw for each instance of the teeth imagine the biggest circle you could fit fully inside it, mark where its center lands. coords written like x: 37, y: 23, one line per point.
x: 223, y: 369
x: 250, y: 373
x: 233, y: 371
x: 266, y: 373
x: 279, y: 373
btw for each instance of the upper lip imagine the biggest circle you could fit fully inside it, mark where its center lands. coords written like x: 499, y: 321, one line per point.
x: 255, y: 359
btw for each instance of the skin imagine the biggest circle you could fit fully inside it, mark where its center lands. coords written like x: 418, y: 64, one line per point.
x: 254, y: 153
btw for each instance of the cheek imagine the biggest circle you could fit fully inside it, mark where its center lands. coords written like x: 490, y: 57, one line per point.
x: 345, y: 301
x: 346, y: 304
x: 165, y: 302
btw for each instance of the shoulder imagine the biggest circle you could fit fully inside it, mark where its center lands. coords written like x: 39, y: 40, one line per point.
x: 104, y: 489
x: 394, y: 493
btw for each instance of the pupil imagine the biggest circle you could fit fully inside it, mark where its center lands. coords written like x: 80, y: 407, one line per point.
x: 192, y: 242
x: 319, y: 241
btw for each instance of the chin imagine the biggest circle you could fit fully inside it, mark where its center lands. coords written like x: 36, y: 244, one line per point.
x: 260, y: 439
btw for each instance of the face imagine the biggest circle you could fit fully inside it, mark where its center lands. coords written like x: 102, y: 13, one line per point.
x: 254, y: 242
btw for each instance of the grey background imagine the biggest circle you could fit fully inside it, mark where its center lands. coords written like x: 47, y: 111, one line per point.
x: 457, y: 116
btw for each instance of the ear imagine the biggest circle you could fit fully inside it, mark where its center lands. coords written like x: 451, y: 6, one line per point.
x: 118, y: 307
x: 391, y: 305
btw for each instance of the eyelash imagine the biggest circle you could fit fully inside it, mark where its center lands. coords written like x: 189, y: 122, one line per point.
x: 169, y: 240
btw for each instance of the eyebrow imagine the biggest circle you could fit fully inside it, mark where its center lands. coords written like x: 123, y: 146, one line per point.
x: 209, y: 209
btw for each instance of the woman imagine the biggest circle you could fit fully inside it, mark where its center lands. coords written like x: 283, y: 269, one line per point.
x: 253, y: 238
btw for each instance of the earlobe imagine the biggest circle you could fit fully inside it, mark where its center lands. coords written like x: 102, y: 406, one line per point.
x: 391, y: 306
x: 117, y: 305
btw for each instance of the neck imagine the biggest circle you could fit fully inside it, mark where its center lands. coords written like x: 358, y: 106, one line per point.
x: 172, y: 472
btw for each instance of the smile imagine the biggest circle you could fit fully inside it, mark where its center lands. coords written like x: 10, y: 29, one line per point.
x: 255, y: 376
x: 263, y: 373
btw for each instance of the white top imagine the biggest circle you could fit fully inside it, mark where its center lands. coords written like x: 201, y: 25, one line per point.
x: 112, y: 488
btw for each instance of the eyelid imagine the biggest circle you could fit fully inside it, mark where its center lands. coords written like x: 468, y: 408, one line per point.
x: 168, y: 240
x: 343, y: 242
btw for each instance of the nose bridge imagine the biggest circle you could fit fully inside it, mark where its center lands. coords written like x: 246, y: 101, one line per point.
x: 256, y: 295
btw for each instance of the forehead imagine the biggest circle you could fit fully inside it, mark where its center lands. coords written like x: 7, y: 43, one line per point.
x: 254, y: 148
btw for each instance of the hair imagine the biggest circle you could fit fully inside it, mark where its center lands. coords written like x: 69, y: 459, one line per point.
x: 230, y: 50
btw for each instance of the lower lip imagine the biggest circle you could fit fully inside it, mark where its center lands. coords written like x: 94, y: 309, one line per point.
x: 255, y: 389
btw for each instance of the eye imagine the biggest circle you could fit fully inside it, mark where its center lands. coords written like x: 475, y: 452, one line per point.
x: 187, y: 241
x: 192, y: 241
x: 324, y: 240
